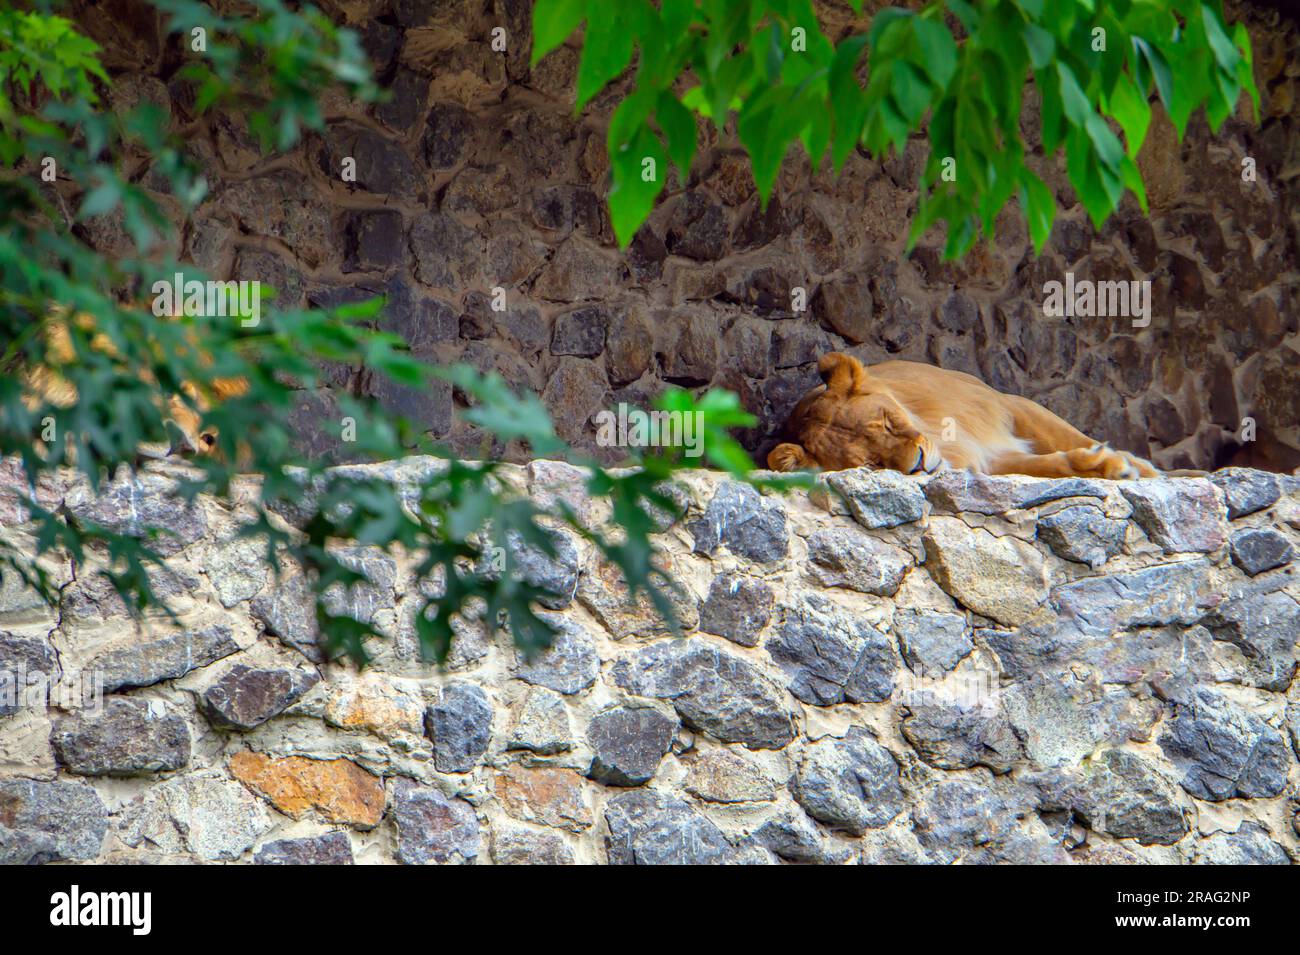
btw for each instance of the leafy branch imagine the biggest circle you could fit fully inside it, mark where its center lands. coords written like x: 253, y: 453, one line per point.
x: 956, y: 69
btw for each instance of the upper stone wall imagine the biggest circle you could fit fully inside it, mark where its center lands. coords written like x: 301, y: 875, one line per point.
x: 476, y: 176
x: 888, y: 669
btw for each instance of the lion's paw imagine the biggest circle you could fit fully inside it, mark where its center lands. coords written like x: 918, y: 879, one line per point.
x: 1101, y: 462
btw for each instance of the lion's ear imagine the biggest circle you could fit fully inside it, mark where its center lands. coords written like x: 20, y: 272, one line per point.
x: 842, y: 373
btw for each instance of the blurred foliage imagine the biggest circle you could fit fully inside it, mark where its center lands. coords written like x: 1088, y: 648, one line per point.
x: 125, y: 363
x: 956, y: 70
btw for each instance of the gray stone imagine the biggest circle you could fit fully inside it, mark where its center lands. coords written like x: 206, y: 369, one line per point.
x: 49, y: 822
x: 206, y: 815
x: 750, y: 525
x: 627, y: 744
x: 981, y: 820
x: 373, y: 240
x: 1293, y: 725
x: 1124, y: 795
x: 92, y: 596
x: 954, y: 492
x: 932, y: 642
x: 958, y: 313
x: 832, y: 655
x: 26, y: 667
x: 237, y: 569
x: 847, y: 557
x: 1060, y: 715
x: 147, y: 663
x: 1096, y: 620
x: 542, y: 724
x: 793, y: 837
x: 1181, y: 516
x: 428, y: 408
x: 529, y: 845
x: 1257, y: 550
x: 1266, y: 628
x: 363, y: 599
x: 725, y: 776
x: 1000, y: 577
x: 1167, y: 657
x: 447, y: 135
x: 580, y: 332
x: 949, y: 735
x: 144, y: 506
x: 557, y: 575
x: 246, y: 697
x: 460, y: 725
x: 713, y: 691
x: 1225, y: 751
x: 1249, y: 845
x: 697, y: 228
x: 1082, y: 534
x: 879, y: 498
x: 433, y: 829
x: 288, y: 611
x: 849, y: 783
x: 1042, y: 492
x: 447, y: 253
x: 737, y: 607
x: 568, y: 665
x: 333, y: 848
x: 130, y: 737
x: 647, y: 827
x: 1247, y: 491
x: 380, y: 164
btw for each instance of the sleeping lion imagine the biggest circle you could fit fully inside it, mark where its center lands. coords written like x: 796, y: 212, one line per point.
x: 189, y: 434
x: 915, y: 418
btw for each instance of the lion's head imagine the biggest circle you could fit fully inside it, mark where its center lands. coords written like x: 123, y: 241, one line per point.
x: 852, y: 421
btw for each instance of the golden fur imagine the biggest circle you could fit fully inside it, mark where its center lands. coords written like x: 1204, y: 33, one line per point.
x: 910, y: 417
x: 44, y: 384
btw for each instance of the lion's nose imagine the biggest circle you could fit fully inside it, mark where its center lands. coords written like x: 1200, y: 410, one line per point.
x: 920, y: 461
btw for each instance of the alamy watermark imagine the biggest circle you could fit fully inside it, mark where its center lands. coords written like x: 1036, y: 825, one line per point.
x: 211, y: 299
x: 634, y: 428
x: 76, y: 908
x: 22, y: 689
x: 1088, y: 298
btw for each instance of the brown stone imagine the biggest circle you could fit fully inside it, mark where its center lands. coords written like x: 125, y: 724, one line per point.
x: 552, y: 797
x: 688, y: 348
x: 575, y: 392
x: 338, y: 789
x: 846, y: 307
x: 376, y: 705
x: 629, y: 347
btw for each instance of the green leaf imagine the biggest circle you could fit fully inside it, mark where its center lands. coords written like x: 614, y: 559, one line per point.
x: 638, y: 178
x: 1160, y: 70
x: 553, y: 21
x: 938, y: 50
x: 1041, y: 46
x: 1224, y: 51
x: 103, y: 198
x: 1039, y: 206
x: 678, y: 125
x: 848, y: 104
x: 606, y: 49
x: 767, y: 126
x: 1131, y: 110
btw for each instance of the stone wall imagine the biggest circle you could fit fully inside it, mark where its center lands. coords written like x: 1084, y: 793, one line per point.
x: 953, y: 669
x: 475, y: 176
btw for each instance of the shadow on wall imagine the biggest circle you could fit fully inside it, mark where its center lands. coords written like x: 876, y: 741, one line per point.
x: 477, y: 206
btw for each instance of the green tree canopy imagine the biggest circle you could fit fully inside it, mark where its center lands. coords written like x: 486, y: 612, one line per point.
x: 958, y: 70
